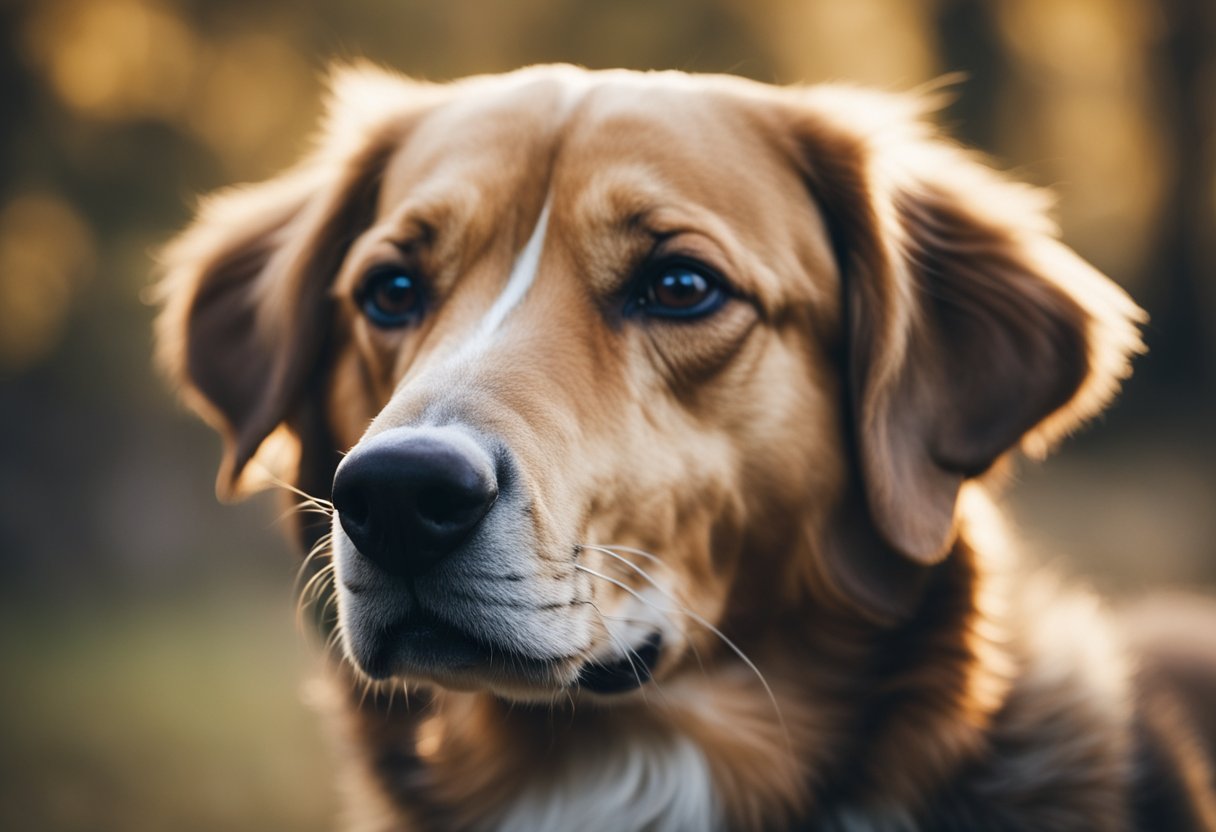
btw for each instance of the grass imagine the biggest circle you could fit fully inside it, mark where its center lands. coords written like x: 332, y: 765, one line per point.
x: 157, y: 715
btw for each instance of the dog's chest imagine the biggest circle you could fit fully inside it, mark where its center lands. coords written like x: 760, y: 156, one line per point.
x: 652, y: 782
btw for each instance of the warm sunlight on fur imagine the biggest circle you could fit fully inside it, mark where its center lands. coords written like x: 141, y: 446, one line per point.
x: 658, y: 413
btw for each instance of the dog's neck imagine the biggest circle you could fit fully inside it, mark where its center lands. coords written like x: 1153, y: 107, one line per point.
x: 707, y: 748
x: 695, y: 753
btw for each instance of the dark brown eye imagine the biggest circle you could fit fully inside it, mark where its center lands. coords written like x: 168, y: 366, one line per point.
x: 391, y: 298
x: 681, y: 291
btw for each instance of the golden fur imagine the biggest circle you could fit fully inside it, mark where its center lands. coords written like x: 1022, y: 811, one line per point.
x: 798, y: 483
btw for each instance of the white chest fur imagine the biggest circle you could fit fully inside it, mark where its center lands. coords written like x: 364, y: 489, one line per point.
x: 655, y: 782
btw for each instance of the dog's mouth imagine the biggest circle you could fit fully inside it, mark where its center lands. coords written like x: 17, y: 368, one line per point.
x: 422, y: 643
x: 625, y: 673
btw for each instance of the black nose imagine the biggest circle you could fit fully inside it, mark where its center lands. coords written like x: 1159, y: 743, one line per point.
x: 407, y: 498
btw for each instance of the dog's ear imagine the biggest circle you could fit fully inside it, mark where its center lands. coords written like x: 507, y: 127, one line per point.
x: 970, y: 329
x: 245, y: 288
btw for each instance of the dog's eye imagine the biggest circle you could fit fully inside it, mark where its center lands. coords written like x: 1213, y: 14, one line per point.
x: 680, y: 290
x: 391, y: 297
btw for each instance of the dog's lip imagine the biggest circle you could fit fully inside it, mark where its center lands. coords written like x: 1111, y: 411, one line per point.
x: 420, y: 642
x: 627, y: 673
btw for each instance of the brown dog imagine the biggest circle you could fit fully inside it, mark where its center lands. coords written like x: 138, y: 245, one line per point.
x: 656, y: 411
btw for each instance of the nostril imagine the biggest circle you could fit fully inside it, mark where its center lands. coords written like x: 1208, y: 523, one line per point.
x: 453, y: 504
x: 436, y: 507
x: 354, y: 507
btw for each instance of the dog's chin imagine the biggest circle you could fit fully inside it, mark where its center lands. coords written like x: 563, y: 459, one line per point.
x: 422, y: 648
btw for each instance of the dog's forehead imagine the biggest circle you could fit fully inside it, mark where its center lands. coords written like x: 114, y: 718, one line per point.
x: 511, y: 135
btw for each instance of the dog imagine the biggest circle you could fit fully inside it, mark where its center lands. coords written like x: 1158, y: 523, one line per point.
x: 662, y: 416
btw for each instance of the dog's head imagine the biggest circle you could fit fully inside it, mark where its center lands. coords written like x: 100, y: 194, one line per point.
x: 595, y: 361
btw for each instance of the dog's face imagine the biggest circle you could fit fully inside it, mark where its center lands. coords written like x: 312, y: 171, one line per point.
x: 563, y: 327
x: 615, y: 359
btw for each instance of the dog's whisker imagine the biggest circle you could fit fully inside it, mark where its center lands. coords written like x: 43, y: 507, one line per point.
x: 641, y: 621
x: 333, y: 644
x: 629, y: 653
x: 712, y: 629
x: 317, y: 560
x: 647, y: 577
x: 303, y: 508
x: 319, y: 584
x: 320, y: 502
x: 309, y: 604
x: 642, y: 573
x: 319, y: 549
x: 325, y: 573
x: 321, y: 546
x: 314, y: 504
x: 392, y: 696
x: 628, y: 549
x: 366, y: 683
x: 331, y: 604
x: 317, y: 606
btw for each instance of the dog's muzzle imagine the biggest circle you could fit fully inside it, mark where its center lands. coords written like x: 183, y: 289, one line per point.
x: 439, y: 574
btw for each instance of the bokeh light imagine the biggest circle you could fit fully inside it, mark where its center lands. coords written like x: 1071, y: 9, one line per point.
x: 47, y: 253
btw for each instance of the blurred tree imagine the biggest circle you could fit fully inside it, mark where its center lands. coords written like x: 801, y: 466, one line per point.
x: 1183, y: 263
x: 971, y: 45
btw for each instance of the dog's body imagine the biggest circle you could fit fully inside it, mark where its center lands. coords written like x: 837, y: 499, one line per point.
x: 684, y: 397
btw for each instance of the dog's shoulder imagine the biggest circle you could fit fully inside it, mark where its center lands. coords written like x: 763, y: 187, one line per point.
x: 1174, y: 785
x: 1175, y: 719
x: 1103, y: 728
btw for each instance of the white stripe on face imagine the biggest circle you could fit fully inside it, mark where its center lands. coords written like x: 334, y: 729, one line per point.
x: 523, y: 274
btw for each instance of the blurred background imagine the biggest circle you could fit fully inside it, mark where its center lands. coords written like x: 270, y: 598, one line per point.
x: 153, y: 677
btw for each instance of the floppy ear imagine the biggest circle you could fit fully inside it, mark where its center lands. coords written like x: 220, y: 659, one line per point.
x: 971, y: 330
x: 245, y: 288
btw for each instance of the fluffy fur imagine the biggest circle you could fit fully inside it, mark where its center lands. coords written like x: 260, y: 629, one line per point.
x: 792, y: 494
